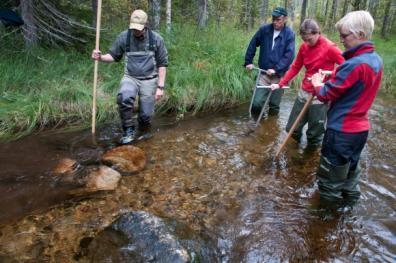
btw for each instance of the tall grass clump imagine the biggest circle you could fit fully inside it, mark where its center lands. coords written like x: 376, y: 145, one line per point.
x: 45, y: 88
x: 206, y: 68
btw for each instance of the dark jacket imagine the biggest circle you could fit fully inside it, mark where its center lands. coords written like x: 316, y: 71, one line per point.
x: 280, y: 57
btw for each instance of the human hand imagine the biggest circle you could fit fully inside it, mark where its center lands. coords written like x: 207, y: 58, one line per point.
x: 159, y: 94
x: 275, y: 86
x: 249, y: 67
x: 270, y: 72
x: 317, y: 79
x: 96, y: 54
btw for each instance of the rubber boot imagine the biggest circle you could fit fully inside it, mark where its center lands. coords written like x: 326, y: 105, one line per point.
x: 128, y: 135
x: 316, y: 124
x: 351, y: 189
x: 331, y: 180
x: 275, y: 100
x: 297, y: 107
x: 144, y: 129
x: 258, y: 102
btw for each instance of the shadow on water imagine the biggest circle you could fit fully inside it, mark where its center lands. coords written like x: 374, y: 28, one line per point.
x: 212, y: 174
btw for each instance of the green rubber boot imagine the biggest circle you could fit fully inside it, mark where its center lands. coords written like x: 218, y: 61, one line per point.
x: 351, y: 189
x: 331, y: 180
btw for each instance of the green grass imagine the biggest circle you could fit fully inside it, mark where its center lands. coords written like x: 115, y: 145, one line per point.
x: 47, y: 88
x: 387, y: 50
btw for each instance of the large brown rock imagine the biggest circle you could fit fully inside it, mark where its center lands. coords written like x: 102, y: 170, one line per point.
x: 127, y: 158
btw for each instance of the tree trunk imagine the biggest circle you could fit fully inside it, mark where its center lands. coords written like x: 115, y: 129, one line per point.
x: 154, y: 14
x: 314, y: 8
x: 333, y: 14
x: 94, y: 4
x: 327, y: 16
x: 168, y: 15
x: 345, y: 7
x: 202, y: 13
x: 386, y: 18
x: 264, y: 10
x: 363, y: 5
x: 303, y: 10
x: 249, y: 18
x: 289, y: 5
x: 373, y: 4
x: 355, y: 5
x: 29, y: 27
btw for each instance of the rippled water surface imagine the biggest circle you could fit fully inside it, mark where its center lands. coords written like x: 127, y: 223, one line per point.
x: 213, y: 174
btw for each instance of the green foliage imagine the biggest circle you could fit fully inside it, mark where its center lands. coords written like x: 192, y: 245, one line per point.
x: 46, y: 88
x: 387, y: 50
x: 206, y: 69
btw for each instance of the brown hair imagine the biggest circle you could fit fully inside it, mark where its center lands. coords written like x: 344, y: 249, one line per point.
x: 309, y: 26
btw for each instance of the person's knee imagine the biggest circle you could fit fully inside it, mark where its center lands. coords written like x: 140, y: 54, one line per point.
x: 125, y: 100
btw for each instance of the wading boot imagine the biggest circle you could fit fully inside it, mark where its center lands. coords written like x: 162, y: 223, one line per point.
x: 144, y: 132
x: 351, y: 189
x: 128, y: 135
x: 331, y: 181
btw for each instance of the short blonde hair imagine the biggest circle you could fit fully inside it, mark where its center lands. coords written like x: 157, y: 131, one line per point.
x: 357, y: 22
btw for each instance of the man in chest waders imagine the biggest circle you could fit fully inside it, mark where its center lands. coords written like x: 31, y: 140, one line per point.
x: 276, y: 42
x: 146, y: 59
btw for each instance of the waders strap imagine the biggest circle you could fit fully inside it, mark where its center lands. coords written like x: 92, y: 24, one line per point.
x: 151, y: 41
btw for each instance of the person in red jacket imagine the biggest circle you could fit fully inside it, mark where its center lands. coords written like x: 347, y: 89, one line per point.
x: 351, y: 92
x: 316, y: 53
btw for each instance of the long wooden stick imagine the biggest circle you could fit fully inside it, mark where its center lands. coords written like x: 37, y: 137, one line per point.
x: 95, y: 82
x: 299, y: 117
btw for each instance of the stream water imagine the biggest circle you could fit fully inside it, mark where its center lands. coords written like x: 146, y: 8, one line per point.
x: 212, y: 174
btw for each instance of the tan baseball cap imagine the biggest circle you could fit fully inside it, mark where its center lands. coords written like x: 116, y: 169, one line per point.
x: 138, y: 20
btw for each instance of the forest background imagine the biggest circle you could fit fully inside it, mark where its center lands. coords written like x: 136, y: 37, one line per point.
x: 46, y: 72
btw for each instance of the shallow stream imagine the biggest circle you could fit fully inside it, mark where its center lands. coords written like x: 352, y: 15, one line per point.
x: 212, y: 174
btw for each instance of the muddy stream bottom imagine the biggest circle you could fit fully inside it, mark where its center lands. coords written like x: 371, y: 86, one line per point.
x: 213, y: 175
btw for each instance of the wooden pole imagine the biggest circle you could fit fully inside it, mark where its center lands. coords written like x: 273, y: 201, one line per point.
x: 95, y: 82
x: 299, y: 117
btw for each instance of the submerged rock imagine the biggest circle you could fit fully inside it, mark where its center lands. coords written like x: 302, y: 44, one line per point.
x: 85, y: 179
x: 102, y: 178
x: 126, y: 159
x: 143, y: 237
x: 66, y: 166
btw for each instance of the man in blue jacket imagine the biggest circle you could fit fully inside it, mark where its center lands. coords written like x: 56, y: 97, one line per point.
x: 276, y: 42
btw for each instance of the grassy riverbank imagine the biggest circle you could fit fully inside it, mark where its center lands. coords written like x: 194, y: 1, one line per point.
x: 46, y: 88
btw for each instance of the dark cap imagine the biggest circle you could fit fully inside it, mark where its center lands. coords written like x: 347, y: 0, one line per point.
x: 279, y: 11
